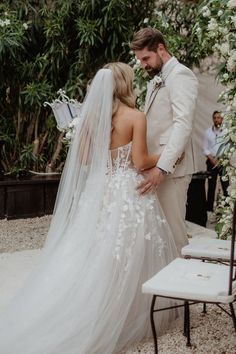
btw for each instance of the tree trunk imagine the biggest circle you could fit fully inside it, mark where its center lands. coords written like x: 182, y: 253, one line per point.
x: 52, y: 165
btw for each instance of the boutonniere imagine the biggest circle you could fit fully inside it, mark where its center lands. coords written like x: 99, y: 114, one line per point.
x: 157, y: 82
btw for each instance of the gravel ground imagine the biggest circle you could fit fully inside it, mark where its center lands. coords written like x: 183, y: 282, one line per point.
x: 23, y: 234
x: 212, y: 333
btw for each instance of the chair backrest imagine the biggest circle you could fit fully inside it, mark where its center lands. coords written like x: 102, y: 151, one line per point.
x: 232, y: 271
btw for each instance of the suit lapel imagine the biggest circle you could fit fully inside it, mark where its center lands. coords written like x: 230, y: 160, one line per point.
x: 148, y: 95
x: 150, y: 99
x: 151, y: 94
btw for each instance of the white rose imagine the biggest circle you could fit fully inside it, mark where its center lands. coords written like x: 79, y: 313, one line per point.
x: 234, y: 102
x: 212, y: 25
x: 223, y: 30
x: 206, y: 13
x: 68, y: 135
x: 157, y: 80
x: 75, y: 122
x: 225, y: 76
x: 231, y: 63
x: 224, y: 48
x: 233, y: 138
x: 231, y: 4
x: 232, y: 192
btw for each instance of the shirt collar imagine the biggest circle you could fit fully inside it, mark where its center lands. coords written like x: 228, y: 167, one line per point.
x: 167, y: 67
x: 216, y: 130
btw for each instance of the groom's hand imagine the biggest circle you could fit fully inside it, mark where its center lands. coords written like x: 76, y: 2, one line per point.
x: 154, y: 177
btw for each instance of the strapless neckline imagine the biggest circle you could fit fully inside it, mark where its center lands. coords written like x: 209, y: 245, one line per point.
x: 122, y: 146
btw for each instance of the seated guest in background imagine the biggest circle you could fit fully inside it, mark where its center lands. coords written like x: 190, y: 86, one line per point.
x: 213, y: 139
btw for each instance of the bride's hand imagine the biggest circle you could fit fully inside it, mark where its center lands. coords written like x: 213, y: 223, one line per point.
x: 154, y: 177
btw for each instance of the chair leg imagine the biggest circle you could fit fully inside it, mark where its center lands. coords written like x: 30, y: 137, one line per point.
x: 185, y: 321
x: 186, y: 309
x: 153, y: 324
x: 204, y: 308
x: 233, y: 315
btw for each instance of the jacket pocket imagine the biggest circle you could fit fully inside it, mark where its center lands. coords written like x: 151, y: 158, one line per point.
x: 164, y: 140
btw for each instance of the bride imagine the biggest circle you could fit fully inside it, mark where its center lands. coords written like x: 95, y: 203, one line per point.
x: 104, y: 240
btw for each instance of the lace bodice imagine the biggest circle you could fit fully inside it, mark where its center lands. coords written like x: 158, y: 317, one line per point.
x: 120, y: 159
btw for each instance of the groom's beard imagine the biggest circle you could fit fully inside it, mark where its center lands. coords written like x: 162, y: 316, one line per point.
x: 153, y: 71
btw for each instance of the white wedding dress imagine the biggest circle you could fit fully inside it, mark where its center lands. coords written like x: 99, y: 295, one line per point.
x: 88, y: 299
x: 104, y: 241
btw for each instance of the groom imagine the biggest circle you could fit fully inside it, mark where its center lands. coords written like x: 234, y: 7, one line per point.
x: 169, y: 107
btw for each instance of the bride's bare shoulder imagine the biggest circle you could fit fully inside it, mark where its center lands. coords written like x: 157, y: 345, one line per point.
x: 136, y: 114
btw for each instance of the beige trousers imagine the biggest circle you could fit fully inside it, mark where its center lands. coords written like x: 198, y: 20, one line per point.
x: 172, y: 195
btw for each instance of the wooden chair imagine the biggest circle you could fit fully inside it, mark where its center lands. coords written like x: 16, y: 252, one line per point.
x: 193, y: 281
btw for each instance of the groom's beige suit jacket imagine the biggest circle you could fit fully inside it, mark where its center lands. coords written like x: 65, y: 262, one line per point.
x: 170, y: 111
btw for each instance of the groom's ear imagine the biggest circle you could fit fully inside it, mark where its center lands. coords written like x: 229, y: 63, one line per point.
x: 161, y: 50
x: 161, y: 47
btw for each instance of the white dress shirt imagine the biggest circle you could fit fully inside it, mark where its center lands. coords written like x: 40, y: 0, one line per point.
x: 214, y: 137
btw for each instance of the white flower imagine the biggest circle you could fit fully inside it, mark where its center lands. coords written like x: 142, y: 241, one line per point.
x: 233, y: 19
x: 70, y: 131
x: 146, y: 20
x: 156, y: 82
x: 233, y: 138
x: 206, y: 12
x: 212, y: 25
x: 225, y: 76
x: 5, y: 22
x: 223, y: 30
x: 224, y: 48
x: 231, y: 4
x: 232, y: 192
x: 231, y: 63
x: 74, y: 122
x: 69, y: 135
x: 220, y: 13
x: 25, y: 26
x: 234, y: 102
x: 137, y: 64
x: 233, y: 181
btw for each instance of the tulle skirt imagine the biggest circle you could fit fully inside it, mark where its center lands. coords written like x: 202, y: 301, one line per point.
x: 85, y: 297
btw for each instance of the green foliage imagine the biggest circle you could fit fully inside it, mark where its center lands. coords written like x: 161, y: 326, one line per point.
x: 45, y: 46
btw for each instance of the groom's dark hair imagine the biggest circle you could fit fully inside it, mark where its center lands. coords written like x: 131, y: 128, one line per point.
x: 147, y: 37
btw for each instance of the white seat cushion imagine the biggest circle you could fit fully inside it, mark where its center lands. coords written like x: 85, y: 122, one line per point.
x: 195, y: 230
x: 208, y: 247
x: 193, y: 280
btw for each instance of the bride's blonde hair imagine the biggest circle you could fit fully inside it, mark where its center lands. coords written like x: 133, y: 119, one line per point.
x: 123, y: 85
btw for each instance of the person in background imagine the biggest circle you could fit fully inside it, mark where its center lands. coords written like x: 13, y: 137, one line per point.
x: 212, y: 141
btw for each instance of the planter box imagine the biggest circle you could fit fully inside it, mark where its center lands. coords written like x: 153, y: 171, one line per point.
x: 28, y: 197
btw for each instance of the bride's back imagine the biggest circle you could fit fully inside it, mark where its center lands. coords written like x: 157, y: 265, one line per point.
x: 122, y: 126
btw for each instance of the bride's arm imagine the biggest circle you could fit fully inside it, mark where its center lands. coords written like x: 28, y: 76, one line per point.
x: 141, y: 159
